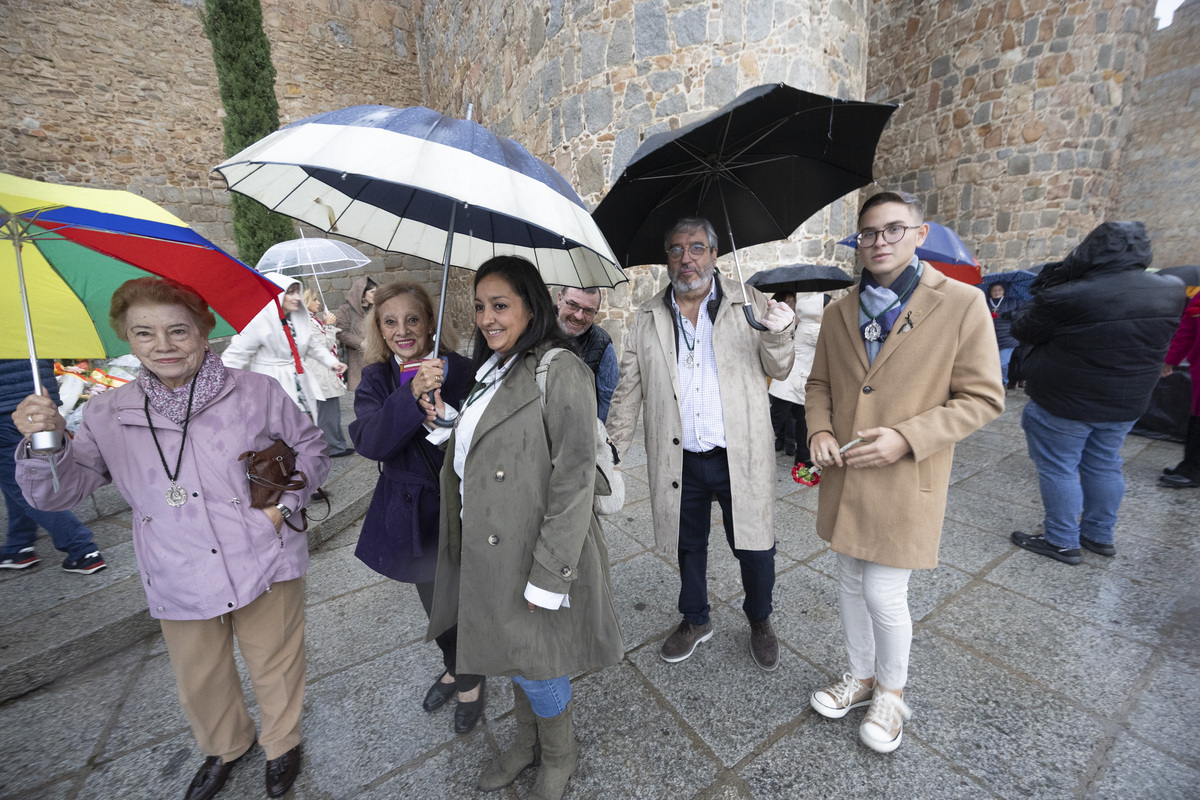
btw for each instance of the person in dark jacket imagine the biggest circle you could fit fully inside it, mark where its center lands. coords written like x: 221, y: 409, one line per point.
x: 1002, y: 314
x: 399, y: 536
x: 576, y: 312
x: 351, y: 316
x: 1097, y: 331
x: 66, y: 531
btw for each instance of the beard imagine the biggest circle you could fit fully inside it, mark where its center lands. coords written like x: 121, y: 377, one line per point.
x: 686, y: 287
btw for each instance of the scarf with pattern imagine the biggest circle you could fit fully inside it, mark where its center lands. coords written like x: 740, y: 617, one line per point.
x: 173, y: 403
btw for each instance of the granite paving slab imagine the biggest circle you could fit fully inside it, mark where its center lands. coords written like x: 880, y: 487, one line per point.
x: 1132, y: 769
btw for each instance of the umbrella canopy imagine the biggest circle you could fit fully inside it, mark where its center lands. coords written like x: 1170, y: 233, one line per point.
x: 311, y: 257
x: 800, y: 278
x: 1188, y: 274
x: 756, y: 169
x: 942, y: 245
x: 1015, y: 283
x: 77, y: 245
x: 401, y: 178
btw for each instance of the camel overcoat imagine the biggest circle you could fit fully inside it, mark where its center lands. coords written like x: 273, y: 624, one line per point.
x: 934, y: 383
x: 529, y: 482
x: 650, y: 376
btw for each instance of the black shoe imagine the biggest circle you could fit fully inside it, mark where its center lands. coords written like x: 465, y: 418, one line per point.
x: 779, y: 445
x: 282, y: 772
x: 467, y: 714
x: 1177, y: 480
x: 349, y: 451
x: 1098, y: 548
x: 1169, y: 470
x: 1039, y: 545
x: 211, y: 777
x: 789, y: 449
x: 439, y: 693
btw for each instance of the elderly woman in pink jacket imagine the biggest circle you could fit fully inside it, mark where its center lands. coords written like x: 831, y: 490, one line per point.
x: 211, y: 564
x: 1186, y: 347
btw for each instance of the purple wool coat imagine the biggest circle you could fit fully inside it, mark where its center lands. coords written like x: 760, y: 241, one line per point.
x: 399, y: 536
x: 215, y: 553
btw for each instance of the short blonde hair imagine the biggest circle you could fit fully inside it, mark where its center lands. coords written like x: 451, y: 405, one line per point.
x: 375, y: 348
x: 309, y: 296
x: 162, y: 292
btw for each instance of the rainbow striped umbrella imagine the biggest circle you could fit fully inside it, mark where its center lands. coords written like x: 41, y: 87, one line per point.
x: 75, y: 246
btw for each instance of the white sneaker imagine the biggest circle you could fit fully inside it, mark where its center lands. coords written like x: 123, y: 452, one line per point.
x: 836, y: 700
x: 883, y: 728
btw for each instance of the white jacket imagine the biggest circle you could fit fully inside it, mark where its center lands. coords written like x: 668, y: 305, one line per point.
x: 808, y: 324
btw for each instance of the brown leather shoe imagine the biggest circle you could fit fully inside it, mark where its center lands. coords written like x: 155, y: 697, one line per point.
x: 211, y: 776
x: 682, y: 643
x: 764, y: 647
x: 282, y: 772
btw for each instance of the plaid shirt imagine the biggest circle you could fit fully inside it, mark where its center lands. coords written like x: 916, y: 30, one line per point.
x: 699, y: 391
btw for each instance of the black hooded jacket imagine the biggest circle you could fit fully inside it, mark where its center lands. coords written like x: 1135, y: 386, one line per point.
x: 1098, y: 327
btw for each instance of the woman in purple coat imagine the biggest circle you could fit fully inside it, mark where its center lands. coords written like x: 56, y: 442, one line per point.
x: 400, y: 533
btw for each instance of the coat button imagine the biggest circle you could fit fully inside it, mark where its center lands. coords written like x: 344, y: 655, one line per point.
x: 408, y: 497
x: 867, y: 390
x: 566, y: 572
x: 231, y: 605
x: 674, y: 441
x: 674, y: 484
x: 499, y: 475
x: 493, y: 540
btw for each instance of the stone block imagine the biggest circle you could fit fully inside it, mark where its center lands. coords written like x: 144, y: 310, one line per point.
x: 690, y: 27
x: 1049, y: 220
x: 591, y: 58
x: 551, y: 80
x: 598, y: 109
x: 590, y: 169
x: 1012, y: 249
x: 964, y: 203
x: 1031, y: 31
x: 1023, y: 72
x: 759, y: 14
x: 572, y: 116
x: 1028, y: 222
x: 1066, y: 159
x: 640, y: 115
x: 623, y: 149
x: 810, y: 248
x: 940, y: 67
x: 671, y: 105
x: 1019, y: 165
x: 720, y: 85
x: 650, y: 24
x: 1003, y: 221
x: 983, y: 114
x: 620, y: 44
x: 1043, y: 161
x: 731, y: 21
x: 665, y: 80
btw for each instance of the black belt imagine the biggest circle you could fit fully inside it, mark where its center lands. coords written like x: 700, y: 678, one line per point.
x: 716, y: 451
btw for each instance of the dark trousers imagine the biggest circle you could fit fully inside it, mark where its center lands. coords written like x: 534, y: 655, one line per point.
x: 787, y: 420
x: 706, y: 474
x: 447, y: 642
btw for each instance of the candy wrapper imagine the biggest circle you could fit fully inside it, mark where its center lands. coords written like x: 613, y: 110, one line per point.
x: 811, y: 475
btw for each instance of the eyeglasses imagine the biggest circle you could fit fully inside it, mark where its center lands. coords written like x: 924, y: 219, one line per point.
x: 575, y: 308
x: 696, y: 250
x: 891, y: 235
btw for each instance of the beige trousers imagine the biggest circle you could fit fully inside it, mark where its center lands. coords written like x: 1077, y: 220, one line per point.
x: 270, y: 634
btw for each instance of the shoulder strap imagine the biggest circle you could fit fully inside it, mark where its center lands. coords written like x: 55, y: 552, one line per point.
x: 543, y: 367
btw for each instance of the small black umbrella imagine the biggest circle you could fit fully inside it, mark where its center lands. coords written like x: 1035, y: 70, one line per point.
x: 1189, y: 274
x: 756, y: 169
x: 800, y: 278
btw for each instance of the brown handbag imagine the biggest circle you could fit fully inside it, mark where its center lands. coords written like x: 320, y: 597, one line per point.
x: 272, y: 472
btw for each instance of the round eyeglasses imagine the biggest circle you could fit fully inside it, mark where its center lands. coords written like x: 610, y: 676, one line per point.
x: 891, y: 235
x: 696, y: 250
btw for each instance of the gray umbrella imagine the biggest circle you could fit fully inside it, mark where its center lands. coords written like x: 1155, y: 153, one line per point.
x: 800, y: 278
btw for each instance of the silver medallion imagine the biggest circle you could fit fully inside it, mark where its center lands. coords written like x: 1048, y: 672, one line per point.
x: 689, y: 360
x: 872, y: 331
x: 176, y: 495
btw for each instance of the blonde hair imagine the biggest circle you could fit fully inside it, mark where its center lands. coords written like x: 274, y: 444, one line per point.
x: 309, y: 295
x: 375, y: 348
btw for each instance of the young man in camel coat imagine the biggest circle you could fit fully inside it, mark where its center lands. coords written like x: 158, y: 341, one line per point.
x: 907, y: 362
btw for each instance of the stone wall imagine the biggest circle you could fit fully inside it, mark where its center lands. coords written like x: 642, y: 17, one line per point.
x: 581, y: 83
x: 1161, y: 170
x: 122, y: 94
x: 1015, y: 115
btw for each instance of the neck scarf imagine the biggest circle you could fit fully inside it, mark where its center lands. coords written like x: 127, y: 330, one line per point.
x: 173, y: 403
x: 875, y: 298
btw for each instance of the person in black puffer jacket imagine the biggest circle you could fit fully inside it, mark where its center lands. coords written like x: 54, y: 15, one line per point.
x: 1002, y: 313
x: 1095, y: 336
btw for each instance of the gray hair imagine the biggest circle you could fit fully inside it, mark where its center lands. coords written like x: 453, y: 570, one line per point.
x: 691, y: 225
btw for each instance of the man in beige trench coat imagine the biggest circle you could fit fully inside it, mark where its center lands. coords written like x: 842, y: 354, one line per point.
x: 907, y: 362
x: 701, y: 373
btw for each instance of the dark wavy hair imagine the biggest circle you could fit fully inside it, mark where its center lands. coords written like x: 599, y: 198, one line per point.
x: 527, y: 284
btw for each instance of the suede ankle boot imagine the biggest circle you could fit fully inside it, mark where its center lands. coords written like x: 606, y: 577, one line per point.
x: 505, y: 768
x: 560, y: 755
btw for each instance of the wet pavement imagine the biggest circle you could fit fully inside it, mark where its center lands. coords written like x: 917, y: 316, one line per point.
x: 1029, y: 678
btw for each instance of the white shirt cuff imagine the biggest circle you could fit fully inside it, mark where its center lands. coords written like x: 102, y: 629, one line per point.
x: 543, y: 599
x: 437, y: 436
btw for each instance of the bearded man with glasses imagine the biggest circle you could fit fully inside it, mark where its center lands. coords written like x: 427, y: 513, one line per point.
x: 701, y: 373
x: 576, y: 315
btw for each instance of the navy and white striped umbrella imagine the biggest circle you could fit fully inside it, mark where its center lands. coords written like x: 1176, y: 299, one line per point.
x: 400, y: 178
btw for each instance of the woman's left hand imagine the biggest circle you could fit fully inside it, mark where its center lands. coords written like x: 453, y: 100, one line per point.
x: 428, y: 378
x: 276, y: 518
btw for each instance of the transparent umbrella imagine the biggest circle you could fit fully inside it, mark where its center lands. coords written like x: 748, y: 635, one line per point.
x: 303, y: 258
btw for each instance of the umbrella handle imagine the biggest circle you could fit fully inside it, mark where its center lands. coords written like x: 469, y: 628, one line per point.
x: 438, y: 421
x: 749, y: 312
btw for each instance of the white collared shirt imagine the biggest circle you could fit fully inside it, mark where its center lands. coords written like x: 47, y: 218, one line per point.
x: 699, y: 391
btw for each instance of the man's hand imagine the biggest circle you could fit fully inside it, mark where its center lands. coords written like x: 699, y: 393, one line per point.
x: 1166, y: 370
x: 779, y: 316
x: 823, y: 450
x: 887, y: 446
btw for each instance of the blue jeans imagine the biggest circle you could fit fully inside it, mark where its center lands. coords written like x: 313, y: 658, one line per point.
x: 549, y: 698
x: 703, y: 476
x: 1005, y: 358
x: 66, y: 531
x: 1079, y: 473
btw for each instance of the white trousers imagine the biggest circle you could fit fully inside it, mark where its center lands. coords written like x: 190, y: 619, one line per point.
x: 878, y: 629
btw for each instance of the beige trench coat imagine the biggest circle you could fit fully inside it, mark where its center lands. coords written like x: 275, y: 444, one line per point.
x: 935, y: 384
x: 529, y: 482
x: 649, y: 376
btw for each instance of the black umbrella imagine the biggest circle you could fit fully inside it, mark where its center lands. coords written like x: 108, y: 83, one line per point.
x: 756, y: 169
x: 1189, y: 274
x: 800, y: 278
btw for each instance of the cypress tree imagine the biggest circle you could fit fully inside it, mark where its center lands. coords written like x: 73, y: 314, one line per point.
x: 246, y: 77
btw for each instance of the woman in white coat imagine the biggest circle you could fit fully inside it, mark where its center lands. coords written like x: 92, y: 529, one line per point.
x: 787, y: 395
x: 263, y: 346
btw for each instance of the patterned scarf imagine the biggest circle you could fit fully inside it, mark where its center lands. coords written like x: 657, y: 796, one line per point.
x: 173, y: 403
x: 300, y: 396
x: 875, y: 298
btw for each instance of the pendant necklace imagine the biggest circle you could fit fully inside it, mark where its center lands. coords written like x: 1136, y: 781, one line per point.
x: 176, y: 494
x: 873, y: 331
x: 995, y: 308
x: 689, y: 360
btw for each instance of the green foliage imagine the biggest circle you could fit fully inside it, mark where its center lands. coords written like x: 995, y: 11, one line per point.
x: 246, y: 77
